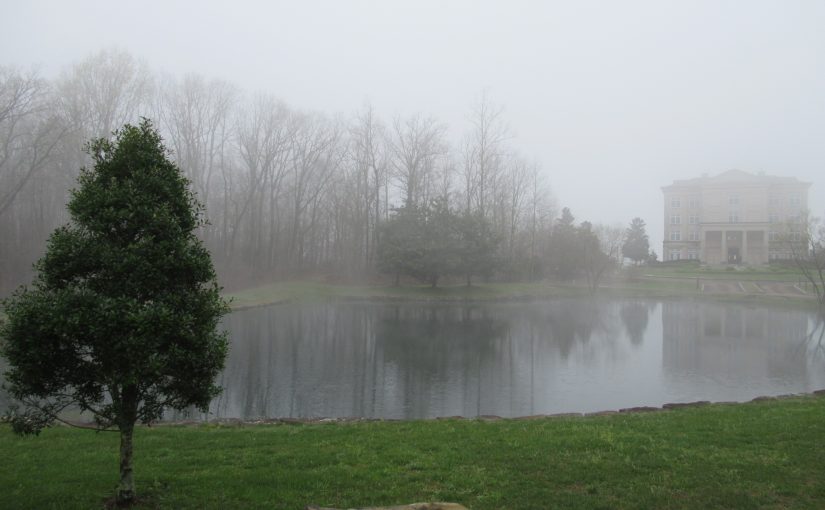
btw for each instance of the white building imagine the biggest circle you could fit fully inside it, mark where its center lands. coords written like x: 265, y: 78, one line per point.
x: 733, y: 218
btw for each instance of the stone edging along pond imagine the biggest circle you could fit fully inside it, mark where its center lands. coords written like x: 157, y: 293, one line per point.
x: 485, y: 417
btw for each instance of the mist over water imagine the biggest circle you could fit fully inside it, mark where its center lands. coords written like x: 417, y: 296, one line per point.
x: 567, y: 355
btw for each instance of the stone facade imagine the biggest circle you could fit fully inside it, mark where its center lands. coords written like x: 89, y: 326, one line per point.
x: 733, y: 218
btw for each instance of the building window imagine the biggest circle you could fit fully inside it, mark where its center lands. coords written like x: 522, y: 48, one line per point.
x: 774, y: 201
x: 794, y: 218
x: 693, y: 203
x: 795, y: 236
x: 733, y: 217
x: 693, y: 219
x: 773, y: 218
x: 675, y: 203
x: 795, y: 201
x: 675, y: 235
x: 675, y: 255
x: 694, y: 235
x: 734, y: 200
x: 675, y: 219
x: 692, y: 255
x: 773, y: 236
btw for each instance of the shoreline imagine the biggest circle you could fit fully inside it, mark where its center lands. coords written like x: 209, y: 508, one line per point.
x: 283, y: 293
x: 669, y: 406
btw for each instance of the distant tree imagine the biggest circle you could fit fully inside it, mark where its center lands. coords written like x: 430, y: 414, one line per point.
x: 600, y: 247
x: 441, y: 254
x: 564, y: 246
x: 478, y: 247
x: 652, y: 258
x: 400, y: 243
x: 805, y: 241
x: 424, y: 243
x: 636, y: 246
x: 121, y: 320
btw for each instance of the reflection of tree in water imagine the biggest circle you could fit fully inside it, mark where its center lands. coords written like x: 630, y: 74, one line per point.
x: 430, y: 337
x: 813, y: 343
x: 635, y: 315
x: 407, y: 360
x: 572, y: 321
x: 432, y: 347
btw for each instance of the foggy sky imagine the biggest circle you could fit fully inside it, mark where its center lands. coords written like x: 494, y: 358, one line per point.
x: 613, y: 99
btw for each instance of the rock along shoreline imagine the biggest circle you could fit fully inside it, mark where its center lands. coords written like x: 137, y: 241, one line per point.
x: 484, y: 417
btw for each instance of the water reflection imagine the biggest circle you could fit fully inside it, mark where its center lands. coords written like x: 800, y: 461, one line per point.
x: 634, y: 314
x: 737, y: 352
x: 510, y: 359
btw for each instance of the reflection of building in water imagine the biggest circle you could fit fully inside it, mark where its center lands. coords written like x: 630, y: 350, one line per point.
x: 732, y: 341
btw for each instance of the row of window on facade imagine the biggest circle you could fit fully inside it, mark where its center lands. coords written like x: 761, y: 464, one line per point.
x: 694, y: 254
x: 774, y: 201
x: 733, y: 217
x: 690, y: 255
x: 774, y: 236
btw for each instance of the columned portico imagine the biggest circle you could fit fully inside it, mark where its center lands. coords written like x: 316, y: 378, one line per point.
x: 746, y: 245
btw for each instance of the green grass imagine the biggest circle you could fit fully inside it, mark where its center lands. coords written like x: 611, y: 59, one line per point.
x: 311, y: 291
x: 756, y: 455
x: 694, y: 270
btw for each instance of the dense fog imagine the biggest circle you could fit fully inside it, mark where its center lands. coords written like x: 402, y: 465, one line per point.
x: 286, y: 192
x: 304, y: 128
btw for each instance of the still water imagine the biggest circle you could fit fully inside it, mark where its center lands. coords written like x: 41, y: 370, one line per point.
x: 416, y: 360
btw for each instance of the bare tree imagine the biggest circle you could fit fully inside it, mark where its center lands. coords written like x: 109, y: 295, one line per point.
x: 195, y: 116
x: 315, y: 153
x: 29, y: 132
x: 805, y: 241
x: 105, y: 91
x: 263, y: 141
x: 485, y: 152
x: 369, y: 157
x: 31, y: 200
x: 605, y: 254
x: 415, y: 145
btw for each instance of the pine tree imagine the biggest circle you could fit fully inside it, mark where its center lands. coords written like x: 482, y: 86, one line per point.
x: 636, y: 246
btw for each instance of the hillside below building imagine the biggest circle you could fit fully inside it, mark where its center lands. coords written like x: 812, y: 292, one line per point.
x: 733, y: 218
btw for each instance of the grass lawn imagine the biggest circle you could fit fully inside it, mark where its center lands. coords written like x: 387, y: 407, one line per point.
x: 694, y: 270
x: 759, y: 455
x: 312, y: 291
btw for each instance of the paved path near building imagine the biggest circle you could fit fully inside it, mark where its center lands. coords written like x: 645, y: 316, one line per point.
x: 743, y: 287
x: 767, y: 288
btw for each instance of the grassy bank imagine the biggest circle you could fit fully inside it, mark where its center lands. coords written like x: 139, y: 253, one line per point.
x: 641, y: 287
x: 756, y: 455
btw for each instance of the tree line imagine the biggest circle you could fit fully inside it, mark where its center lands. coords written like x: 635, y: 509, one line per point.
x: 288, y: 192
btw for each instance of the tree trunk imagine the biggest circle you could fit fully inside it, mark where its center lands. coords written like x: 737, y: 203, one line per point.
x: 126, y: 488
x: 129, y: 402
x: 469, y: 278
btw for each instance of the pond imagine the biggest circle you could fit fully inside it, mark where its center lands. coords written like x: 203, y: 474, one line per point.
x: 416, y: 360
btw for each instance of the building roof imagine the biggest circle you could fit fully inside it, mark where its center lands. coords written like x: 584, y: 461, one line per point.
x: 735, y: 177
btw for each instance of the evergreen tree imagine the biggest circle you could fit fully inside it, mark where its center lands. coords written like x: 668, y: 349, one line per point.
x: 636, y: 246
x: 121, y: 320
x: 400, y: 247
x: 564, y: 246
x: 478, y: 247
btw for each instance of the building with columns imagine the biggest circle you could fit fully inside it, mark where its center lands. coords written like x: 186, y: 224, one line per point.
x: 733, y: 218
